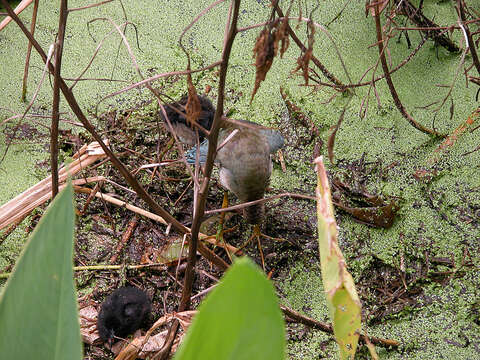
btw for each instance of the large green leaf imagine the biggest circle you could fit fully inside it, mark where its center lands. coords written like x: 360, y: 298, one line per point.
x: 38, y: 309
x: 240, y: 319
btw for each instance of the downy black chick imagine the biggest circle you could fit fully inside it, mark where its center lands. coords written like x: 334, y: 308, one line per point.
x: 122, y: 313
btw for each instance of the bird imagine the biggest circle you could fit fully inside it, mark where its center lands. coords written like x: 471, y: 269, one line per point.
x: 244, y: 161
x: 243, y: 158
x: 123, y: 312
x: 176, y: 114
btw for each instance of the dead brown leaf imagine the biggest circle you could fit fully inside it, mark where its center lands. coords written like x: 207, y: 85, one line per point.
x: 168, y: 254
x: 147, y: 347
x: 281, y: 35
x: 193, y: 108
x: 376, y: 211
x: 264, y: 52
x: 88, y: 325
x: 304, y: 60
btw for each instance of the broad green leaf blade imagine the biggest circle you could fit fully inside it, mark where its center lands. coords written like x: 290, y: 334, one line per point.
x: 38, y: 308
x: 342, y: 299
x: 240, y: 319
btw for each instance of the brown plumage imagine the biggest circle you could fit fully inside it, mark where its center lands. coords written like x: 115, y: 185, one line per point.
x: 244, y: 160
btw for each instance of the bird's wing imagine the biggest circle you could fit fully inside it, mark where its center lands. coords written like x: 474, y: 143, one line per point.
x: 274, y: 138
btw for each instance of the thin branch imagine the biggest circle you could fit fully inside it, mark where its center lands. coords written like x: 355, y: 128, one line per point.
x: 20, y: 7
x: 297, y: 317
x: 156, y: 77
x: 388, y: 78
x: 260, y: 201
x: 200, y: 205
x: 470, y: 43
x: 97, y: 49
x: 89, y: 6
x: 62, y: 22
x: 202, y: 13
x: 29, y: 50
x: 416, y: 16
x: 30, y: 104
x: 104, y: 267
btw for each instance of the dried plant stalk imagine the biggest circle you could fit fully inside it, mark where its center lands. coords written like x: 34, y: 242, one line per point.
x: 41, y: 192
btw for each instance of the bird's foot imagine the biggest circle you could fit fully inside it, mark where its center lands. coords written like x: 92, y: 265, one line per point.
x: 258, y: 235
x: 219, y: 239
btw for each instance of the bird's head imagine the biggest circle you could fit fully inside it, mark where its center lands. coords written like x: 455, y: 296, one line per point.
x: 176, y: 113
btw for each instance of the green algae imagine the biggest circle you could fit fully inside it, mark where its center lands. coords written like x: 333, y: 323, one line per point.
x: 432, y: 215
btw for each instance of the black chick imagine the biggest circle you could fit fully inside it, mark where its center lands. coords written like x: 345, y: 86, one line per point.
x: 176, y: 114
x: 123, y: 311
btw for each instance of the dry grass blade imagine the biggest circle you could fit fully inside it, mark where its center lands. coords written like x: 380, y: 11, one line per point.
x: 426, y: 173
x: 121, y: 203
x: 41, y: 192
x: 149, y: 345
x: 20, y: 7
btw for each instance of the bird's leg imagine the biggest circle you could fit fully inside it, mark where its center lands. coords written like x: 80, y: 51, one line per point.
x: 257, y: 233
x: 222, y: 218
x: 220, y: 230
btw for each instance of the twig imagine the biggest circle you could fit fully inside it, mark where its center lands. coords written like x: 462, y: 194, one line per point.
x: 102, y: 267
x: 416, y: 16
x: 29, y: 50
x: 90, y: 197
x: 121, y: 203
x: 90, y: 62
x: 20, y: 7
x: 157, y: 77
x: 206, y: 291
x: 126, y: 236
x: 200, y: 205
x: 30, y: 104
x: 260, y: 201
x: 292, y: 314
x: 62, y: 22
x: 339, y: 13
x: 449, y: 142
x: 89, y: 6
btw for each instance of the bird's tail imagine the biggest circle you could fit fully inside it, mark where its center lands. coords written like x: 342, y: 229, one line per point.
x: 254, y: 214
